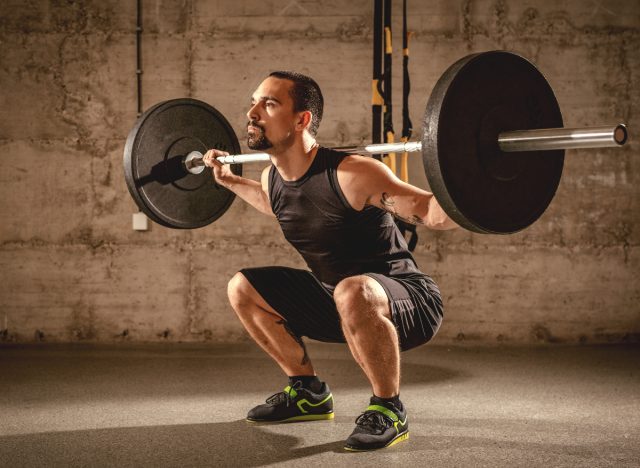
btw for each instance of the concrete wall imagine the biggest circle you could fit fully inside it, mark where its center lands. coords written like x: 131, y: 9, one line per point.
x: 72, y: 269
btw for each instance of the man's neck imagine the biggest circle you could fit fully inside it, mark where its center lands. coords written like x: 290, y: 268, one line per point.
x: 293, y: 162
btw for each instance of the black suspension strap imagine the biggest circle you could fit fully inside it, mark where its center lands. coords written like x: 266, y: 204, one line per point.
x: 376, y: 91
x: 389, y: 134
x: 381, y: 93
x: 407, y: 126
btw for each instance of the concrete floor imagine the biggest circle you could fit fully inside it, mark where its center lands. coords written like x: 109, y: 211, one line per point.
x: 184, y: 405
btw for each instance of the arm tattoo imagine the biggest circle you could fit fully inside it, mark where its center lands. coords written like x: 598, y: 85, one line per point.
x: 389, y: 205
x: 305, y: 357
x: 387, y: 201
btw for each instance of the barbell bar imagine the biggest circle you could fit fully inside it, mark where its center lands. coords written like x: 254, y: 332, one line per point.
x: 194, y: 163
x: 493, y: 142
x: 509, y: 142
x: 562, y: 138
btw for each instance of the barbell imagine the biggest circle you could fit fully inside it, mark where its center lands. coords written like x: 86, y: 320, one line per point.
x: 509, y: 142
x: 492, y: 146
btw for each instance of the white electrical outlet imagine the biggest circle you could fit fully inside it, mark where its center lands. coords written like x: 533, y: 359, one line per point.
x: 140, y: 222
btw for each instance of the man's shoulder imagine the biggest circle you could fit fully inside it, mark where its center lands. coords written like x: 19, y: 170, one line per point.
x: 365, y: 165
x: 358, y: 177
x: 337, y: 153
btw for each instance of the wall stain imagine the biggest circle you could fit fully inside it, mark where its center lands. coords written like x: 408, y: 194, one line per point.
x: 193, y: 317
x: 352, y: 29
x: 7, y: 337
x: 542, y: 334
x: 82, y: 326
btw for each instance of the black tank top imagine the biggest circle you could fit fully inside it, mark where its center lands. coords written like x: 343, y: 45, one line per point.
x: 335, y: 240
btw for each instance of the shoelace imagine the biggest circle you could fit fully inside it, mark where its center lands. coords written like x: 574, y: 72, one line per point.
x: 374, y: 421
x: 282, y: 397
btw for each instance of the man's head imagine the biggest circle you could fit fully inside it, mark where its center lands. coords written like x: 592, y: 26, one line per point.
x: 285, y: 103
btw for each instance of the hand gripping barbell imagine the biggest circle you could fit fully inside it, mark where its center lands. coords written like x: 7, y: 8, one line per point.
x: 492, y: 146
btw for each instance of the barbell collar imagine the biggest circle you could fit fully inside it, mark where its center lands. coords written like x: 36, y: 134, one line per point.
x: 562, y: 138
x: 194, y: 163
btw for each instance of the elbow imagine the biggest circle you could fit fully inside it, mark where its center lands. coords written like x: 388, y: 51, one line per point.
x: 436, y: 226
x: 436, y: 218
x: 440, y: 223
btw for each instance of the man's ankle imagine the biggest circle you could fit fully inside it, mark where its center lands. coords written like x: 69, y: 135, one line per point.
x: 394, y: 400
x: 309, y: 382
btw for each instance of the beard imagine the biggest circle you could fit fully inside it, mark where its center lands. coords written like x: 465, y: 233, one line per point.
x: 257, y: 140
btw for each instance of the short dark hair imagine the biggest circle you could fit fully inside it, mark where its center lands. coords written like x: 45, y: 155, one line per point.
x: 306, y: 96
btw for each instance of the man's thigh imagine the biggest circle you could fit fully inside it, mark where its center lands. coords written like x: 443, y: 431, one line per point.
x: 302, y: 300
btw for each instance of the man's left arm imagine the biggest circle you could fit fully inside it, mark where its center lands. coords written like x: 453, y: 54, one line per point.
x: 366, y: 181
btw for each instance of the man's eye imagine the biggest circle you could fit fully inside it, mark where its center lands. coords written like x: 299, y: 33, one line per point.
x: 269, y: 104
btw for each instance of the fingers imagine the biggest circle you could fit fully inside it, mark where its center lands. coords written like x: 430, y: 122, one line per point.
x: 210, y: 156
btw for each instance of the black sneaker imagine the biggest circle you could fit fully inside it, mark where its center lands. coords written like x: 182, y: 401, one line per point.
x: 381, y: 425
x: 294, y: 404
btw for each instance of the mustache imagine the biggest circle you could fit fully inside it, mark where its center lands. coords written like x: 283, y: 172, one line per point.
x: 254, y: 123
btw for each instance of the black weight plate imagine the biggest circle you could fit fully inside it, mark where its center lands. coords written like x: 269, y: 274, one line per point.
x: 156, y: 178
x: 480, y: 187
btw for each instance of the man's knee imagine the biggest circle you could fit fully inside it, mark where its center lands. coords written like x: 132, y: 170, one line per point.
x: 360, y: 298
x: 239, y: 290
x: 245, y: 300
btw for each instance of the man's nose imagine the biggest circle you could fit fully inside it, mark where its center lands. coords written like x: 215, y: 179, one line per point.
x: 253, y: 114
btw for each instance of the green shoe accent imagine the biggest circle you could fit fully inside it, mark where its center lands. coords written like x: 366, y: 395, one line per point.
x: 311, y: 417
x: 313, y: 405
x: 404, y: 423
x: 301, y: 418
x: 381, y: 409
x: 292, y: 393
x: 394, y: 441
x: 400, y: 438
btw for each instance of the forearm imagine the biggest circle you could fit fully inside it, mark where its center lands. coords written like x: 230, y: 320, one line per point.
x: 250, y: 191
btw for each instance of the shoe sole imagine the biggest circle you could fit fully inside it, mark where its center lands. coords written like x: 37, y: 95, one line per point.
x: 394, y: 441
x: 301, y: 418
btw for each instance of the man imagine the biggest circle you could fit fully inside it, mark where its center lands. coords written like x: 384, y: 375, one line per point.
x: 364, y: 286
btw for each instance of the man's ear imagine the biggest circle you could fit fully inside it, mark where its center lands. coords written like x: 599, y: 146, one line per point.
x: 304, y: 120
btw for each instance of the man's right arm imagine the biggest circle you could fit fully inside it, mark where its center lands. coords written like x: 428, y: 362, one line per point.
x: 251, y: 191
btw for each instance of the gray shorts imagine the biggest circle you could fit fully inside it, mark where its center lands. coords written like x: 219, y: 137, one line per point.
x: 309, y: 309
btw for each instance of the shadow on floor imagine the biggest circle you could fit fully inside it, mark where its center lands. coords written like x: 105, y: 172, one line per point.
x: 89, y: 377
x: 234, y: 443
x: 238, y: 443
x: 522, y: 445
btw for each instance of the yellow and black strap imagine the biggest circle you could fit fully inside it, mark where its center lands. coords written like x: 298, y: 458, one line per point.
x: 389, y: 134
x: 407, y: 126
x: 377, y: 101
